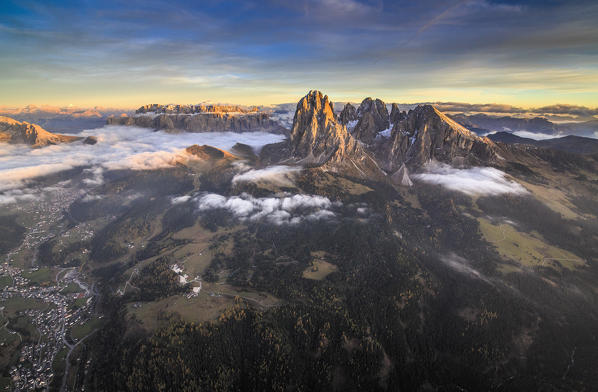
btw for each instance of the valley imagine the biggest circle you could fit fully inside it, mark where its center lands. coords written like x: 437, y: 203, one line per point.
x: 319, y: 258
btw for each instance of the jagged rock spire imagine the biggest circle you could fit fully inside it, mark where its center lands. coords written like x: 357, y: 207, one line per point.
x: 318, y: 138
x: 396, y: 115
x: 316, y: 134
x: 373, y: 118
x: 348, y: 114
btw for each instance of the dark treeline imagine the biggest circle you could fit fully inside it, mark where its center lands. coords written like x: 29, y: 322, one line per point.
x: 393, y: 316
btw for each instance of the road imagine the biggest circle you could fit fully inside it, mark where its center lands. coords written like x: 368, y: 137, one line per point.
x: 67, y: 366
x: 128, y: 283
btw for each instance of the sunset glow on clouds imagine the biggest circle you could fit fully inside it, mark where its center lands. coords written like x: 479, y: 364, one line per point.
x: 527, y: 53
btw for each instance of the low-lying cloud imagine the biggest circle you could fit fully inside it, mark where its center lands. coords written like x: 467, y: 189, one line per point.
x: 180, y: 199
x: 536, y: 135
x: 473, y: 181
x: 277, y: 210
x: 34, y: 194
x: 118, y: 147
x: 279, y: 175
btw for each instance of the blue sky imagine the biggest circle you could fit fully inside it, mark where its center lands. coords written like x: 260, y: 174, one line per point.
x: 127, y: 53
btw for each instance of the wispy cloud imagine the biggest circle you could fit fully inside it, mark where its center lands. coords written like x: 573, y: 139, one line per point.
x: 535, y: 135
x: 463, y: 266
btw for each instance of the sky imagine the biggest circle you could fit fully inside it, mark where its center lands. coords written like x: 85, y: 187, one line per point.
x: 125, y: 53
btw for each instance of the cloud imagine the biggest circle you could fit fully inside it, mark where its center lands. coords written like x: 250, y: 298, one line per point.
x: 54, y: 52
x: 280, y: 175
x: 461, y: 265
x: 97, y: 176
x: 37, y: 194
x: 88, y: 198
x: 118, y: 147
x: 16, y: 195
x: 277, y: 210
x: 473, y: 181
x: 577, y: 110
x: 180, y: 199
x: 558, y: 112
x: 535, y: 135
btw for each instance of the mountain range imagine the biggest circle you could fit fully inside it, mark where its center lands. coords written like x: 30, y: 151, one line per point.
x: 570, y: 143
x: 62, y: 119
x: 362, y: 248
x: 199, y: 118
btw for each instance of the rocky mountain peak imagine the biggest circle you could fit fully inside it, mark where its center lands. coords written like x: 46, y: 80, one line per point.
x: 373, y: 118
x: 348, y: 114
x: 316, y: 134
x: 426, y: 133
x: 396, y: 114
x: 318, y: 138
x: 13, y: 131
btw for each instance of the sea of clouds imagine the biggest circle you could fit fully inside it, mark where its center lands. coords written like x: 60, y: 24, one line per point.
x: 480, y: 181
x: 118, y: 147
x: 277, y: 210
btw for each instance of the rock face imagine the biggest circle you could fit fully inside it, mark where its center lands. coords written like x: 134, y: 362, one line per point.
x: 209, y: 160
x: 428, y: 134
x: 13, y: 131
x: 348, y: 114
x: 200, y: 118
x: 208, y: 153
x: 244, y: 151
x: 373, y: 118
x: 396, y: 115
x: 317, y: 138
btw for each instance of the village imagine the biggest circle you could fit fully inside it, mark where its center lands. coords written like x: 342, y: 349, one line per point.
x: 54, y: 312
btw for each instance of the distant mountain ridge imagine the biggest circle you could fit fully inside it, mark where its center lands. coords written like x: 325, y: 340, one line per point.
x: 571, y: 143
x: 484, y: 124
x: 194, y: 109
x: 62, y: 119
x: 200, y: 118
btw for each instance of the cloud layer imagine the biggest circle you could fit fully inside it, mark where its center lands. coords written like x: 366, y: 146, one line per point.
x: 560, y: 112
x: 473, y: 181
x: 117, y: 148
x: 277, y: 210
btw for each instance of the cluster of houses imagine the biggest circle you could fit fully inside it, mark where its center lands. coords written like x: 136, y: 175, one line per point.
x: 49, y: 325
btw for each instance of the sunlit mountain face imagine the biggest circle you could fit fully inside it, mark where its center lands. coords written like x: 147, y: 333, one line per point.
x: 180, y: 209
